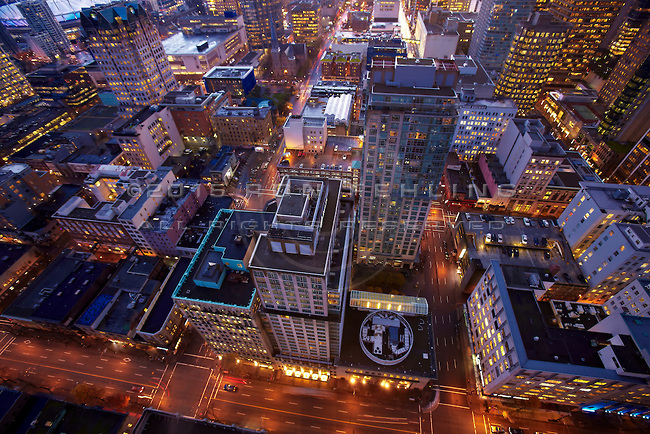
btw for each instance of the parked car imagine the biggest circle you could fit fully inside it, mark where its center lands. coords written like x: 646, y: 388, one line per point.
x: 468, y: 216
x: 547, y: 254
x: 524, y: 239
x: 500, y: 238
x: 536, y: 241
x: 488, y: 238
x: 527, y: 221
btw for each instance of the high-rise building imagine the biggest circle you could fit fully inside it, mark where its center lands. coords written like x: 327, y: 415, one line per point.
x: 633, y: 299
x: 263, y: 21
x: 386, y: 10
x: 635, y: 167
x: 495, y: 28
x: 220, y: 7
x: 628, y: 89
x: 216, y: 293
x: 480, y: 126
x: 149, y: 137
x: 627, y: 66
x: 301, y: 270
x: 630, y: 27
x: 596, y: 207
x: 590, y: 21
x: 7, y: 41
x: 614, y: 259
x: 520, y: 351
x: 14, y: 87
x: 534, y: 50
x: 409, y: 130
x: 306, y: 24
x: 40, y: 18
x: 127, y: 47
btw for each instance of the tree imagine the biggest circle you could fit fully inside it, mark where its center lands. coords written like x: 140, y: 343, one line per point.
x: 118, y: 401
x: 84, y: 393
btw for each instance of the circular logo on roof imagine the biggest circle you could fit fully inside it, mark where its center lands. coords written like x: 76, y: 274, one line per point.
x: 385, y: 337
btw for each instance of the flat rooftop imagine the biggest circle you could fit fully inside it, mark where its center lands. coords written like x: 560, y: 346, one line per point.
x: 228, y: 72
x: 235, y: 236
x: 530, y: 255
x: 420, y: 362
x: 200, y: 223
x: 264, y: 257
x: 443, y: 92
x: 98, y: 117
x: 56, y: 291
x: 159, y: 312
x: 10, y: 253
x: 181, y: 44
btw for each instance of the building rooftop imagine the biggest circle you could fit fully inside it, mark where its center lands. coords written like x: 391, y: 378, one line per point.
x: 228, y: 72
x: 617, y: 196
x: 10, y: 253
x: 155, y: 422
x: 242, y: 112
x: 159, y: 312
x: 237, y: 231
x: 442, y: 92
x: 200, y: 223
x: 181, y: 44
x: 138, y: 118
x: 265, y: 257
x: 56, y: 293
x: 420, y: 360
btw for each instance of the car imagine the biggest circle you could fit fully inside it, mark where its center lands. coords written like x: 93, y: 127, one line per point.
x: 496, y: 429
x: 301, y: 165
x: 504, y: 250
x: 446, y: 255
x: 545, y: 223
x: 483, y: 218
x: 230, y: 388
x: 322, y: 166
x: 536, y: 241
x: 515, y: 430
x: 500, y: 238
x: 524, y: 239
x: 547, y: 254
x: 506, y: 219
x: 444, y: 245
x: 488, y: 238
x: 544, y: 242
x: 527, y: 221
x: 137, y: 389
x: 516, y: 252
x: 468, y: 216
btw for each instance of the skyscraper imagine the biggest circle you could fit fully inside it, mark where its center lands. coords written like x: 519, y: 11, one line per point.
x: 590, y: 21
x: 495, y: 28
x: 263, y: 21
x: 127, y: 48
x: 630, y: 27
x: 533, y: 52
x: 40, y: 18
x: 301, y: 270
x: 409, y: 129
x: 14, y: 87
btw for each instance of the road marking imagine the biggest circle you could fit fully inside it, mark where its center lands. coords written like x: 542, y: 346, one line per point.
x: 99, y: 367
x: 445, y: 279
x: 473, y: 422
x: 364, y: 405
x: 43, y: 357
x: 293, y: 403
x: 139, y: 375
x: 316, y: 427
x: 246, y: 395
x: 241, y: 414
x: 67, y: 352
x: 454, y: 405
x: 49, y: 349
x: 51, y: 376
x: 339, y: 401
x: 338, y: 430
x: 268, y: 399
x: 320, y: 408
x: 290, y: 423
x: 85, y: 356
x: 143, y: 367
x: 342, y: 411
x: 118, y: 370
x: 268, y: 390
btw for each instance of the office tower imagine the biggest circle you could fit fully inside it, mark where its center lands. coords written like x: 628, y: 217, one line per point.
x: 216, y: 293
x: 495, y: 28
x: 618, y: 256
x: 635, y: 167
x: 301, y: 270
x: 8, y: 43
x: 305, y: 21
x: 386, y: 11
x: 14, y: 87
x: 40, y: 18
x: 127, y: 47
x: 630, y: 27
x: 534, y: 50
x: 633, y: 299
x: 409, y: 130
x: 590, y: 21
x: 596, y: 207
x: 480, y: 126
x: 263, y: 21
x: 220, y: 7
x: 149, y: 137
x: 627, y: 91
x: 520, y: 351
